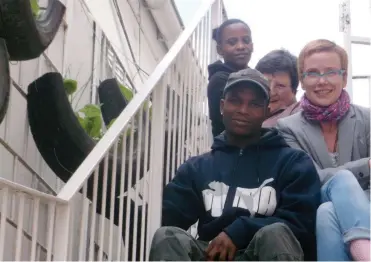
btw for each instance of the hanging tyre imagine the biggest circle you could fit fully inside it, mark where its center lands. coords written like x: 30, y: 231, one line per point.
x: 111, y: 99
x: 58, y: 135
x: 113, y: 103
x: 64, y: 144
x: 4, y: 79
x: 28, y: 36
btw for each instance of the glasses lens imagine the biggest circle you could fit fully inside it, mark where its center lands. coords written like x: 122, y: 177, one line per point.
x: 331, y: 76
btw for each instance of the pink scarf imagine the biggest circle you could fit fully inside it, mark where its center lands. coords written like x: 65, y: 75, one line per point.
x: 333, y: 112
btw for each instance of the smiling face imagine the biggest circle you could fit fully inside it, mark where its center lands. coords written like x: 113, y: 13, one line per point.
x: 325, y: 90
x: 236, y: 45
x: 244, y: 110
x: 281, y: 93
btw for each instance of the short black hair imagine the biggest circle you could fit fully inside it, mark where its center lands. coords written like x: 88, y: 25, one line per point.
x: 218, y: 32
x: 280, y: 61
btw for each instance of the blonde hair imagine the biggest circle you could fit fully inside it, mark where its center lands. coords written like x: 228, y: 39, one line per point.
x: 321, y: 45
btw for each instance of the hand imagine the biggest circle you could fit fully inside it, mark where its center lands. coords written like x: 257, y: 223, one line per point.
x: 221, y: 247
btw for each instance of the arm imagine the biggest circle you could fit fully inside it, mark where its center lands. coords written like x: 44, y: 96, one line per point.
x: 356, y: 167
x: 360, y: 169
x: 214, y: 94
x: 298, y: 190
x: 181, y: 206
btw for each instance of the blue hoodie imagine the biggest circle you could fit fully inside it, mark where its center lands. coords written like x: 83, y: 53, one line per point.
x: 239, y: 191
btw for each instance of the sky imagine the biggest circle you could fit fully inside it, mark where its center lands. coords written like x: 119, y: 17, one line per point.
x: 290, y: 24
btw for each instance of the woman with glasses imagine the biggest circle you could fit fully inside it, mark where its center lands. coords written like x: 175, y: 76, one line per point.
x: 336, y: 134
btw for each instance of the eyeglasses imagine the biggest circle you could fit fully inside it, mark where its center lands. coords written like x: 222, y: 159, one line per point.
x: 312, y: 78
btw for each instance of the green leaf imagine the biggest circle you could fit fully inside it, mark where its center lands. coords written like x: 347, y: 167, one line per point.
x: 91, y: 111
x: 35, y: 7
x: 126, y: 92
x: 96, y: 126
x: 91, y: 120
x: 88, y: 126
x: 70, y: 86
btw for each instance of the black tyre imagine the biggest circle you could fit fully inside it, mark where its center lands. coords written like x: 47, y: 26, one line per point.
x: 64, y: 144
x: 4, y: 79
x: 112, y: 100
x: 61, y: 140
x: 58, y: 135
x: 26, y: 36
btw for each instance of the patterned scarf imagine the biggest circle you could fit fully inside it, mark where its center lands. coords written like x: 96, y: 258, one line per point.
x: 333, y: 112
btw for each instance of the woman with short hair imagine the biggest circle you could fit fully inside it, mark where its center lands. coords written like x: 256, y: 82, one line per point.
x: 336, y: 134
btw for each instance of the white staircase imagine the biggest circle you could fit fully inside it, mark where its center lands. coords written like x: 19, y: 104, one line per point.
x: 163, y: 125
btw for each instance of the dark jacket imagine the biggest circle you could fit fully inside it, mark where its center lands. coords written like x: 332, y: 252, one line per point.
x: 218, y: 76
x: 262, y: 184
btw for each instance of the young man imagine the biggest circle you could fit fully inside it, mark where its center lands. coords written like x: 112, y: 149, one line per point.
x: 254, y: 197
x: 280, y: 67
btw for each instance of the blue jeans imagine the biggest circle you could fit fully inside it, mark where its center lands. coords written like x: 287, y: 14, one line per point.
x: 344, y: 216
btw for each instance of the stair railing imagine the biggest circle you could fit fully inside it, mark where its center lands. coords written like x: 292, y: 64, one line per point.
x: 114, y: 198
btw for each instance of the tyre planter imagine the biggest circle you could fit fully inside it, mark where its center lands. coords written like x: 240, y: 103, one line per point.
x: 58, y: 135
x: 111, y: 99
x: 26, y: 36
x: 113, y: 103
x: 4, y: 79
x: 64, y: 144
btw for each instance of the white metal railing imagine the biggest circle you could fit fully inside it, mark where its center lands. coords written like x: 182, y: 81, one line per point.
x: 123, y: 177
x: 163, y: 125
x: 18, y: 241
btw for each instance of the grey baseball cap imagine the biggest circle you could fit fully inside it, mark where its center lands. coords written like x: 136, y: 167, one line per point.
x: 248, y: 76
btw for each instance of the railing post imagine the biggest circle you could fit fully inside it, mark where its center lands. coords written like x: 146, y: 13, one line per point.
x: 345, y: 27
x: 157, y: 160
x: 61, y: 232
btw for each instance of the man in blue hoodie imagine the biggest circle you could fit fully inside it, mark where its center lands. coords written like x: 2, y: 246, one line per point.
x: 254, y: 197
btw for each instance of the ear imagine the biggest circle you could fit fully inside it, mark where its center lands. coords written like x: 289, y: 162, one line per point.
x: 221, y: 106
x: 219, y: 50
x: 252, y: 47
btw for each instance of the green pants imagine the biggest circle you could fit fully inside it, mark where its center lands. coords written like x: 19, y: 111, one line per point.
x: 273, y: 242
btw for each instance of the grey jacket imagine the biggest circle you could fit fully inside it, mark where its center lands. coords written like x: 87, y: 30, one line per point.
x: 353, y: 143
